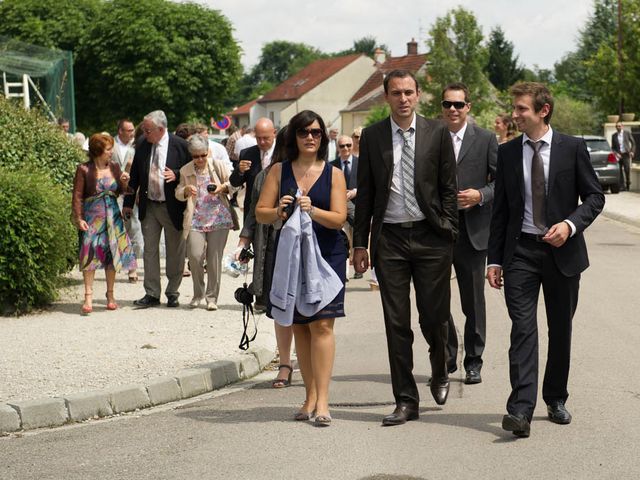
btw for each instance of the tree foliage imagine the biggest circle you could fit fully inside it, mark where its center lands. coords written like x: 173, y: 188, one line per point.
x: 502, y: 66
x: 457, y: 54
x: 50, y: 23
x: 280, y: 59
x: 133, y: 57
x: 377, y: 113
x: 180, y: 58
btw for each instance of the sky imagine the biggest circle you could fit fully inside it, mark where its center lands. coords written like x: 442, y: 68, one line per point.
x: 540, y: 38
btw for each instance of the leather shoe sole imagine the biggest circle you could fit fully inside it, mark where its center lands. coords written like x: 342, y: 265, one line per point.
x: 559, y: 414
x: 400, y: 416
x: 517, y: 424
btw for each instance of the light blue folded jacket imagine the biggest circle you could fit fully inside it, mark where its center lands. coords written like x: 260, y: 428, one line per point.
x: 302, y: 279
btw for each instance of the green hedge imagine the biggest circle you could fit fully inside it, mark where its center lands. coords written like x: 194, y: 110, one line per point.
x: 37, y: 240
x: 28, y: 140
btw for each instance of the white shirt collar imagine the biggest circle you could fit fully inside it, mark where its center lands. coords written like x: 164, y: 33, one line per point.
x: 348, y: 159
x: 546, y: 138
x: 121, y: 143
x: 459, y: 133
x: 395, y: 126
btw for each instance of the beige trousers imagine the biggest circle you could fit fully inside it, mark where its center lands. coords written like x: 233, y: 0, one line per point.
x: 209, y: 245
x: 155, y: 220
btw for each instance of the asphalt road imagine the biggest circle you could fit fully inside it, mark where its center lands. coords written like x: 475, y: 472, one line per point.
x: 248, y: 432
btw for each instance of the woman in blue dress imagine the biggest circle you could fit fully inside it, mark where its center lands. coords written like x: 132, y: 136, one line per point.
x: 324, y: 197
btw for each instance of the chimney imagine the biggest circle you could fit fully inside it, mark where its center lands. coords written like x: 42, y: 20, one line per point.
x: 379, y: 56
x: 412, y: 47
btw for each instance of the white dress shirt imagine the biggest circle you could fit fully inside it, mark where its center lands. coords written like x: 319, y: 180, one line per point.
x: 243, y: 142
x: 527, y: 158
x: 622, y: 146
x: 456, y: 139
x: 265, y: 157
x: 220, y: 153
x: 123, y: 148
x: 396, y: 211
x: 162, y: 147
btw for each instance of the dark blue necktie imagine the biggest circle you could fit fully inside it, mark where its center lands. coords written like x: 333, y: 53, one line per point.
x: 347, y: 171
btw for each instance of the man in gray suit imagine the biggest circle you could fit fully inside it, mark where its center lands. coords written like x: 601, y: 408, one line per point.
x: 624, y: 147
x: 123, y: 153
x: 476, y: 151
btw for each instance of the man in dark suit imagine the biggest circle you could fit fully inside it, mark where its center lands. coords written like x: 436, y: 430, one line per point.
x: 254, y: 159
x: 348, y: 163
x: 476, y: 151
x: 407, y: 185
x: 537, y: 239
x: 155, y: 173
x: 624, y: 147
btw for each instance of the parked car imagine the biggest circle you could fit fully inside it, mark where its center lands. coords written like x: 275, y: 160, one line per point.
x: 604, y: 162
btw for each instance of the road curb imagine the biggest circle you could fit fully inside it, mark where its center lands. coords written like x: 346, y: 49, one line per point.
x: 622, y: 218
x: 79, y: 407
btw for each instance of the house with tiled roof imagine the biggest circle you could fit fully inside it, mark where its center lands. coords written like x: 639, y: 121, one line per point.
x: 324, y: 86
x: 242, y: 115
x: 371, y: 92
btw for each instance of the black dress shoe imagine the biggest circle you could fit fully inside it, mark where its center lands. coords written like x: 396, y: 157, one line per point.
x: 147, y: 301
x: 357, y: 276
x: 518, y: 424
x: 439, y: 390
x: 401, y: 415
x: 172, y: 301
x: 558, y: 413
x: 472, y: 377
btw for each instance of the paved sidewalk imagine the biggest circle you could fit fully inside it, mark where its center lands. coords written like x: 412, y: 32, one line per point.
x: 58, y: 353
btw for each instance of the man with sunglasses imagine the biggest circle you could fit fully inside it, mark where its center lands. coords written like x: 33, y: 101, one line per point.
x: 348, y: 163
x: 476, y: 151
x: 407, y: 201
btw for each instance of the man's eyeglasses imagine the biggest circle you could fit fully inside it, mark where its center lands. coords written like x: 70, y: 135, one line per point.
x: 457, y: 105
x: 345, y: 145
x: 147, y: 131
x: 305, y: 132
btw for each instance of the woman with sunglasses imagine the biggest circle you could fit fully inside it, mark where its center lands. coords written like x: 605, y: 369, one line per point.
x: 208, y: 217
x: 323, y: 197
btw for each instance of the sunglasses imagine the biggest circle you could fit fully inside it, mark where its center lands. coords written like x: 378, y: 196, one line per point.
x: 204, y: 155
x: 457, y: 105
x: 345, y: 145
x: 305, y: 132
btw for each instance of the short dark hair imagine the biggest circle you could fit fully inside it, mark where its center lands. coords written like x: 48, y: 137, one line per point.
x: 185, y: 130
x: 279, y: 151
x: 62, y: 120
x: 303, y: 120
x: 122, y: 121
x: 538, y: 92
x: 398, y: 74
x: 459, y: 86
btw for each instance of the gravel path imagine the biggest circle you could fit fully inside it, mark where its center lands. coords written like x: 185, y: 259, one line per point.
x: 58, y: 351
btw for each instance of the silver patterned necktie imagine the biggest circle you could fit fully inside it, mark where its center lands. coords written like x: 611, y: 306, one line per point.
x: 537, y: 187
x: 408, y: 165
x: 154, y: 175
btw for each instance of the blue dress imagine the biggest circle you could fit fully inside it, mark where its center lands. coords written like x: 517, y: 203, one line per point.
x: 332, y: 243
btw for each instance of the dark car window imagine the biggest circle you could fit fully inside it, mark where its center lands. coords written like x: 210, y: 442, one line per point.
x: 597, y: 145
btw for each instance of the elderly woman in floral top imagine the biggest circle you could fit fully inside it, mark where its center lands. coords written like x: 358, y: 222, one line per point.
x: 208, y: 217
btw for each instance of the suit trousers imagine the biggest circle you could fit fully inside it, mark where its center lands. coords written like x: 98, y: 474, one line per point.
x: 625, y: 170
x: 209, y: 246
x: 155, y: 221
x: 469, y: 265
x: 406, y: 254
x: 533, y: 266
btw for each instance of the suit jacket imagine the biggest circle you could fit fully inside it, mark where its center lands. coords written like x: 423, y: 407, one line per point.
x: 435, y: 180
x: 571, y: 178
x: 627, y: 138
x: 177, y: 157
x: 477, y: 169
x: 248, y: 177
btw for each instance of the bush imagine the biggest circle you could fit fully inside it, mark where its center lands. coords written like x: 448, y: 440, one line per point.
x: 28, y: 141
x: 37, y: 240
